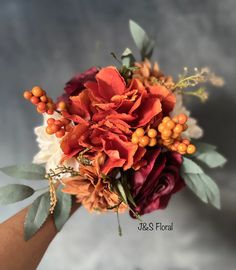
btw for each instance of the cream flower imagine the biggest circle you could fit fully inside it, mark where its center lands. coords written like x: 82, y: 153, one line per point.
x: 50, y: 151
x: 193, y: 131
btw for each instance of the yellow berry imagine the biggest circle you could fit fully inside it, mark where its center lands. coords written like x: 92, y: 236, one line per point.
x: 182, y: 118
x: 166, y: 119
x: 37, y: 91
x: 152, y: 142
x: 178, y: 129
x: 182, y: 148
x: 135, y: 139
x: 61, y: 106
x: 161, y: 127
x: 27, y: 95
x: 140, y: 132
x: 166, y: 132
x: 191, y: 149
x: 175, y: 119
x: 152, y: 133
x: 170, y: 124
x: 144, y: 141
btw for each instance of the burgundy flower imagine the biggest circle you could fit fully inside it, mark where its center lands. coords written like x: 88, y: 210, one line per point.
x: 153, y: 185
x: 76, y: 84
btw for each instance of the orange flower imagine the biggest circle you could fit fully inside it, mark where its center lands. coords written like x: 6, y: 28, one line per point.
x: 107, y: 112
x: 93, y: 191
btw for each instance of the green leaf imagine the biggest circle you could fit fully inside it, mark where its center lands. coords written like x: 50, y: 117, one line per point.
x: 27, y: 171
x: 204, y: 187
x: 190, y: 166
x: 200, y: 183
x: 14, y: 193
x: 37, y: 215
x: 141, y: 39
x: 207, y: 154
x: 121, y: 191
x: 127, y: 57
x: 63, y: 208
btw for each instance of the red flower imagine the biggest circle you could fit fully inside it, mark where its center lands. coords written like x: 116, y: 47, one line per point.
x: 153, y: 185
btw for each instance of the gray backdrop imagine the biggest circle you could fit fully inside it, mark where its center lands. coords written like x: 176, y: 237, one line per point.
x: 46, y: 42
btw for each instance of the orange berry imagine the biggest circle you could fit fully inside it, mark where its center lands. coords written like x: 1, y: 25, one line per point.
x: 175, y: 119
x: 144, y: 141
x: 135, y: 139
x: 54, y: 127
x: 58, y: 123
x: 176, y: 144
x: 182, y: 148
x: 152, y: 133
x: 61, y: 106
x: 152, y: 142
x: 44, y: 98
x: 41, y: 106
x: 40, y: 111
x: 166, y: 119
x: 182, y: 118
x: 49, y: 130
x: 166, y: 132
x: 50, y: 121
x: 161, y: 127
x: 65, y: 121
x: 178, y: 129
x: 60, y: 133
x: 50, y: 112
x: 175, y: 135
x: 186, y: 141
x: 170, y: 124
x: 37, y: 91
x: 191, y: 149
x: 164, y: 137
x: 34, y: 100
x: 27, y: 95
x: 140, y: 132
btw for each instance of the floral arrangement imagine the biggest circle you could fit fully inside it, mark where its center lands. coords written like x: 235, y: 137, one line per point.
x: 118, y: 139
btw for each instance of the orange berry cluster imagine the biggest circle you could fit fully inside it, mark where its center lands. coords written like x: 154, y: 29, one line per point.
x: 58, y: 127
x: 38, y: 97
x: 170, y: 130
x: 143, y: 138
x: 45, y: 104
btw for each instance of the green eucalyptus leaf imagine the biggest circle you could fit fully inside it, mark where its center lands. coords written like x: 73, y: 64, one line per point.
x: 63, y: 208
x: 200, y: 183
x: 26, y: 171
x: 207, y: 154
x: 37, y: 215
x: 204, y: 147
x: 141, y: 39
x: 127, y: 57
x: 212, y: 159
x: 190, y: 166
x: 204, y: 187
x: 14, y: 193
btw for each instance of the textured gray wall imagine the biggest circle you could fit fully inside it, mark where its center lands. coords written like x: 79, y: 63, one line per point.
x: 46, y: 42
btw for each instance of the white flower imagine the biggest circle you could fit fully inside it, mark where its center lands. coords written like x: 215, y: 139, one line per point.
x: 50, y: 151
x: 193, y: 131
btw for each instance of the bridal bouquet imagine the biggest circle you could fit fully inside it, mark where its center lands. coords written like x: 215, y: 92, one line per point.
x: 118, y: 139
